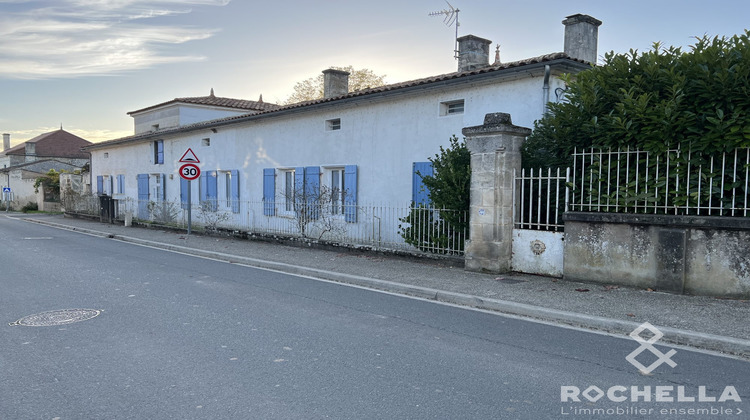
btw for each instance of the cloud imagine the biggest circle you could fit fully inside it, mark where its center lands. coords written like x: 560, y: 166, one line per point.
x: 73, y: 38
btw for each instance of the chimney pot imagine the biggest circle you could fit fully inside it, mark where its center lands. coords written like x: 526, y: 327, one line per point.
x: 335, y: 83
x: 473, y: 52
x: 582, y: 37
x: 6, y: 141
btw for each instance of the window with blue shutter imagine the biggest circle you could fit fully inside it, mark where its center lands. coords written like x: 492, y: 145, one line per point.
x: 420, y: 195
x: 350, y: 193
x: 312, y: 190
x: 337, y: 191
x: 99, y: 185
x: 158, y: 152
x: 269, y: 191
x: 299, y: 187
x: 209, y: 189
x: 142, y: 196
x: 235, y: 190
x: 121, y: 184
x: 184, y: 185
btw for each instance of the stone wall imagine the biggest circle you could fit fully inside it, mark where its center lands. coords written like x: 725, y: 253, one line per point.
x: 696, y: 255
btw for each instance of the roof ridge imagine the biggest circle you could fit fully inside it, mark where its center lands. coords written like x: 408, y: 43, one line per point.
x: 490, y: 68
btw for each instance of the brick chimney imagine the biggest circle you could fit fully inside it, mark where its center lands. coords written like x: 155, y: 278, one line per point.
x: 582, y: 37
x: 6, y: 141
x: 335, y: 83
x: 473, y: 52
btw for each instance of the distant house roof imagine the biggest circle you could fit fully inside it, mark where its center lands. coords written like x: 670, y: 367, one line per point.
x: 55, y: 144
x: 520, y: 68
x: 42, y: 166
x: 215, y: 101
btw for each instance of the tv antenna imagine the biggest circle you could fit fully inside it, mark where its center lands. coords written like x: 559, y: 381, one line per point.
x: 451, y: 17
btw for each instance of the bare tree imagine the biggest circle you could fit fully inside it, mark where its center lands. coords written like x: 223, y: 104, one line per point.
x: 211, y: 216
x: 318, y: 211
x: 312, y: 88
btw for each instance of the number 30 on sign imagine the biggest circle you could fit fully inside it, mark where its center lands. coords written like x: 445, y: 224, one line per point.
x: 190, y: 171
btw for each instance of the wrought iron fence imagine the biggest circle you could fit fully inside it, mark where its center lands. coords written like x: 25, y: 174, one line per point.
x: 677, y: 182
x: 380, y: 226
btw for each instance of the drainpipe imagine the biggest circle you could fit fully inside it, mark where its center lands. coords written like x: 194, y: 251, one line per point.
x: 545, y: 88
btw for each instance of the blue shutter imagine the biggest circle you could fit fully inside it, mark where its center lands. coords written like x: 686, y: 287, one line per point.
x: 350, y: 193
x: 420, y: 195
x: 299, y: 182
x: 184, y: 185
x: 142, y: 196
x: 235, y: 191
x: 312, y: 190
x: 211, y: 189
x: 269, y: 191
x: 121, y: 184
x: 99, y: 184
x: 163, y: 187
x: 159, y: 151
x: 299, y: 186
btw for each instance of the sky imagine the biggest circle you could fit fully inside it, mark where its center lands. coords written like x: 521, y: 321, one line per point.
x: 84, y: 64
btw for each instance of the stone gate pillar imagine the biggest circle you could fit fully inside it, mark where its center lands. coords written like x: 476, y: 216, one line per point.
x: 495, y: 149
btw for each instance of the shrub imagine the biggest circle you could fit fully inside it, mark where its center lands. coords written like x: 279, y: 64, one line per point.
x: 445, y: 228
x: 29, y: 207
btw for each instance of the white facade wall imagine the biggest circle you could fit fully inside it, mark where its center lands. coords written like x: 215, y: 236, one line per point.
x: 383, y: 136
x: 22, y: 188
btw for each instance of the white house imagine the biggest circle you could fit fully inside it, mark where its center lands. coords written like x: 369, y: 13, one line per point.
x: 21, y: 165
x: 365, y: 144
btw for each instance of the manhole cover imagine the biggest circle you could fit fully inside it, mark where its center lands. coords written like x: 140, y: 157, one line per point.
x: 59, y: 317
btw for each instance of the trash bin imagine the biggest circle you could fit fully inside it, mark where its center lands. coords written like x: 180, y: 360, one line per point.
x: 106, y: 209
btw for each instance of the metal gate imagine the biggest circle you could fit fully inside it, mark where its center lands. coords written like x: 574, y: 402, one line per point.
x: 541, y: 198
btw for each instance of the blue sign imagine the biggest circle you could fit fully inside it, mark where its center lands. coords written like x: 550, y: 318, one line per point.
x: 6, y: 189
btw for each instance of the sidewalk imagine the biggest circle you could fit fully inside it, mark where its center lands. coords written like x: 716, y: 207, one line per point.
x: 703, y: 322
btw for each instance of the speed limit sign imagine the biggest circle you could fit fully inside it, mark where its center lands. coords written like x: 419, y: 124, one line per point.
x: 190, y: 171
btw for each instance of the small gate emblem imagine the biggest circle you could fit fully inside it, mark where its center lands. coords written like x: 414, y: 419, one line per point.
x: 538, y: 247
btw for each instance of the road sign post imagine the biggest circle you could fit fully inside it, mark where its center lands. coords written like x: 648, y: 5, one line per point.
x: 189, y: 208
x: 189, y: 171
x: 6, y: 196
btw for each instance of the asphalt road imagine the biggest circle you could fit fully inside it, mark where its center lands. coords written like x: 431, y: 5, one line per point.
x: 181, y: 337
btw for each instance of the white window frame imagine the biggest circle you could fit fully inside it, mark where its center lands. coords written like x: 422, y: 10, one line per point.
x: 155, y: 188
x: 288, y: 179
x: 454, y: 107
x: 106, y: 182
x: 336, y: 184
x: 334, y: 124
x: 224, y: 189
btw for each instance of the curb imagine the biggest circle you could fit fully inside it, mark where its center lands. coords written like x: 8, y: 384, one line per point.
x: 730, y: 345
